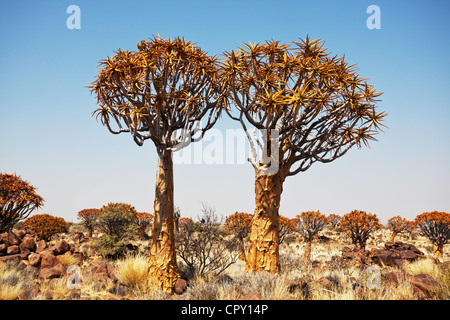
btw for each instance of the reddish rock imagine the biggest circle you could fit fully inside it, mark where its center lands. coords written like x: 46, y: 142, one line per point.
x: 424, y: 285
x: 34, y: 259
x: 13, y: 239
x: 252, y: 295
x: 325, y: 283
x: 54, y: 272
x: 180, y: 286
x: 61, y: 247
x: 41, y: 246
x: 48, y: 259
x: 4, y: 238
x: 14, y: 249
x: 28, y: 243
x: 3, y: 248
x: 20, y: 233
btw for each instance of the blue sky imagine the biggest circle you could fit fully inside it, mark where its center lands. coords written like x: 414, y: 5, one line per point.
x: 47, y: 134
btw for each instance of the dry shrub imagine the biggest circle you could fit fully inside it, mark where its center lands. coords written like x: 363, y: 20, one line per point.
x: 13, y: 281
x: 133, y: 272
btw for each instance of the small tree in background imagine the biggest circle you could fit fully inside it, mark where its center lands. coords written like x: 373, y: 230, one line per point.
x: 17, y: 200
x: 436, y: 227
x: 359, y: 225
x: 44, y: 226
x: 334, y: 220
x: 116, y: 219
x: 409, y: 228
x: 309, y: 224
x: 239, y: 224
x: 287, y: 226
x: 143, y: 220
x: 397, y: 225
x: 89, y: 218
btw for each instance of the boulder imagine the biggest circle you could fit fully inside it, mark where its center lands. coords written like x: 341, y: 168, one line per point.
x: 56, y: 271
x: 28, y: 243
x: 180, y: 286
x: 61, y: 247
x: 425, y: 286
x: 41, y: 246
x: 34, y: 259
x: 14, y: 249
x: 48, y: 259
x: 13, y: 239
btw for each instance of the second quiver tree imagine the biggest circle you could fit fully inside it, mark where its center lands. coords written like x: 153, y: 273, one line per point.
x: 308, y: 107
x: 164, y: 88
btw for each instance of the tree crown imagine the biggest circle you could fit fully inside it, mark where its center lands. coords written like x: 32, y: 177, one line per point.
x: 318, y: 104
x: 166, y: 85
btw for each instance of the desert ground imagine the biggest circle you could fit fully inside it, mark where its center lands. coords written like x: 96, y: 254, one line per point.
x: 67, y: 267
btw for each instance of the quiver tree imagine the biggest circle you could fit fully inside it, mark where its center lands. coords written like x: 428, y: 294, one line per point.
x: 143, y: 220
x: 239, y: 225
x: 359, y: 225
x: 287, y: 226
x: 397, y: 225
x: 334, y: 220
x: 89, y: 218
x: 308, y: 107
x: 309, y: 224
x: 17, y: 200
x: 436, y: 227
x: 159, y: 92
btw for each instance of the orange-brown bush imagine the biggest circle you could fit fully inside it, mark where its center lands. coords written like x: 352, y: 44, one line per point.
x: 44, y: 226
x: 17, y: 200
x: 287, y: 226
x: 436, y: 227
x: 359, y: 225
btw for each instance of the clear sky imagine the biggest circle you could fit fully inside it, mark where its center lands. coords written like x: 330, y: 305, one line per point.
x: 47, y: 134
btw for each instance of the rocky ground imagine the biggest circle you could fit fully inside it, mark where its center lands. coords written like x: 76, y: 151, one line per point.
x: 66, y: 267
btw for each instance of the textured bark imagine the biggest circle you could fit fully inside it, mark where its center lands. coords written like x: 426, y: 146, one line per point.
x: 264, y: 239
x: 307, y: 253
x: 438, y: 251
x: 163, y: 272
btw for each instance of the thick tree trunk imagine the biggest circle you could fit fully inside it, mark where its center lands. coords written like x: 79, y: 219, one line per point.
x: 264, y: 239
x: 307, y: 253
x: 438, y: 251
x: 163, y: 271
x: 392, y: 237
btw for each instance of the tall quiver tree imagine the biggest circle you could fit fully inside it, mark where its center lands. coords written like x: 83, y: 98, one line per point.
x: 308, y: 107
x: 159, y: 92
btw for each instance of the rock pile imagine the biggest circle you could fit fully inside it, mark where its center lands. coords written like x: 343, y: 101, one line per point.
x: 394, y: 254
x: 20, y: 248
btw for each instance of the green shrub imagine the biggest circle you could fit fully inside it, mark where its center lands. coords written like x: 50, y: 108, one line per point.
x: 110, y: 247
x: 116, y: 219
